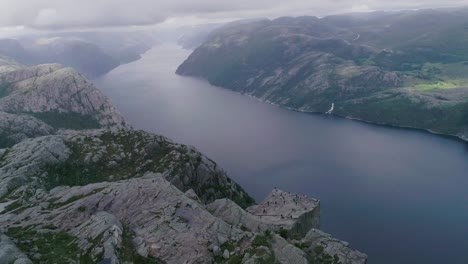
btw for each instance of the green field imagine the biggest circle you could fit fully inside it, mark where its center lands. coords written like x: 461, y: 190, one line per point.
x: 438, y: 85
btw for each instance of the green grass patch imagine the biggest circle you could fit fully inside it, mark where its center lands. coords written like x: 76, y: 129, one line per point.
x: 53, y: 247
x: 438, y: 85
x: 262, y: 240
x: 128, y: 252
x: 4, y: 90
x: 67, y: 120
x: 159, y: 156
x: 6, y: 142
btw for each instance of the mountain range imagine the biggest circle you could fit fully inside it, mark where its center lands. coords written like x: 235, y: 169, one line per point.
x: 92, y: 54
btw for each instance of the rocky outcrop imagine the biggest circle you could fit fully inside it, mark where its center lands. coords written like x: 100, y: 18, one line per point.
x: 16, y: 127
x: 79, y: 158
x: 296, y: 219
x: 160, y: 220
x: 137, y: 202
x: 284, y: 210
x: 105, y: 230
x: 280, y: 211
x: 53, y: 88
x: 318, y: 243
x: 286, y: 252
x: 7, y: 64
x: 40, y: 100
x: 157, y: 221
x: 10, y: 253
x: 123, y: 195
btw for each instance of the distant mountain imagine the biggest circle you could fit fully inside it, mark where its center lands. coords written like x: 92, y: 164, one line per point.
x: 398, y: 68
x: 13, y: 49
x: 125, y: 47
x: 86, y: 57
x: 91, y: 53
x: 194, y: 36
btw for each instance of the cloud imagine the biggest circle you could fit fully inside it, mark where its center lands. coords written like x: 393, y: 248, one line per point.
x: 71, y: 14
x: 46, y: 17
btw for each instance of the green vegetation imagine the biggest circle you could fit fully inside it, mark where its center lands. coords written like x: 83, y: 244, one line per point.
x: 235, y: 259
x: 437, y: 85
x: 320, y: 257
x: 15, y: 207
x: 67, y: 120
x: 4, y: 90
x: 263, y: 256
x: 82, y: 167
x: 397, y: 108
x: 73, y: 199
x: 262, y: 240
x: 245, y: 229
x: 53, y: 247
x: 5, y: 141
x: 128, y: 252
x: 283, y: 233
x: 78, y: 171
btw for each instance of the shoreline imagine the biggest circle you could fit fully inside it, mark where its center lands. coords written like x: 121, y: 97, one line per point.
x: 423, y: 130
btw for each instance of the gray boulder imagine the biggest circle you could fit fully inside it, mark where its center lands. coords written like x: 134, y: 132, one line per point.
x: 332, y: 247
x: 9, y: 253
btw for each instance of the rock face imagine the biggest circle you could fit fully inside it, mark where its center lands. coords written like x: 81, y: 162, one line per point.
x: 159, y: 220
x: 353, y: 62
x: 317, y: 242
x: 283, y: 210
x: 295, y: 214
x: 9, y: 253
x: 161, y: 223
x: 16, y: 127
x: 79, y: 158
x: 124, y: 195
x: 285, y: 252
x: 39, y: 100
x: 53, y: 88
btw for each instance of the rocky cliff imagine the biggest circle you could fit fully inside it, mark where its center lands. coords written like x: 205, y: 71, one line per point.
x: 39, y: 100
x: 357, y: 62
x: 123, y: 195
x: 116, y: 195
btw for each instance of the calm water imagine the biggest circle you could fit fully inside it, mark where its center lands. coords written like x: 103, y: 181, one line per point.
x: 400, y: 196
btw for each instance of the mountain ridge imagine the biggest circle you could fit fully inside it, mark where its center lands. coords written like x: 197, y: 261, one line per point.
x: 308, y: 64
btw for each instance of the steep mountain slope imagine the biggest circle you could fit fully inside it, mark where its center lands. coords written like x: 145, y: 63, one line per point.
x: 41, y: 99
x: 357, y: 62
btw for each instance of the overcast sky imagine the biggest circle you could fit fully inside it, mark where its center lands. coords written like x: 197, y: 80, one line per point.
x: 27, y: 15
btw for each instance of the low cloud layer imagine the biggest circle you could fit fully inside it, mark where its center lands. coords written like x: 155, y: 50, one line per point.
x: 71, y: 14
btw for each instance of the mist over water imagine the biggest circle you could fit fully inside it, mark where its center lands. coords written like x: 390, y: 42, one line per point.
x: 398, y: 195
